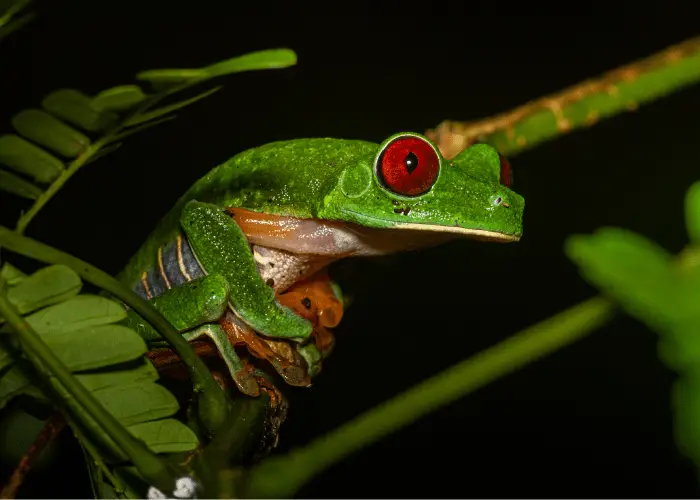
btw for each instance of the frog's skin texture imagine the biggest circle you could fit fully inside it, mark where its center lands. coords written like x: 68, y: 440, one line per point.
x: 278, y: 214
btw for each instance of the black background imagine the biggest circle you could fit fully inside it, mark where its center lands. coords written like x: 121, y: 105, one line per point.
x: 590, y: 420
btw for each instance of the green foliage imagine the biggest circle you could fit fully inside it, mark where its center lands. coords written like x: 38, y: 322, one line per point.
x: 78, y: 128
x: 663, y: 292
x: 10, y: 18
x: 105, y: 357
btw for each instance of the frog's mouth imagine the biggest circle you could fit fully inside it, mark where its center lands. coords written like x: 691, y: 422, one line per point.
x: 477, y: 234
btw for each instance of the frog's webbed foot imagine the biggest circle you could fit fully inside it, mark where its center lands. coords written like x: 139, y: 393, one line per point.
x: 237, y: 368
x: 286, y: 361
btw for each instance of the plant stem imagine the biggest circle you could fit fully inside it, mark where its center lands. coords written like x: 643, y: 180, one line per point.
x: 86, y: 156
x: 582, y: 105
x: 157, y: 472
x: 56, y: 186
x: 283, y: 476
x: 213, y: 400
x: 94, y: 455
x: 52, y: 428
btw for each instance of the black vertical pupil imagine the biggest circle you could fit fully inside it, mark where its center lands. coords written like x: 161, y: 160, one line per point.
x: 411, y: 162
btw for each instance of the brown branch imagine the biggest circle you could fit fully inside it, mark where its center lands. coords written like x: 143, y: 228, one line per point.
x: 581, y: 105
x: 51, y: 430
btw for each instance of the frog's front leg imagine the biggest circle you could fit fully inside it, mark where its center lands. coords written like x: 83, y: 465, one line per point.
x: 200, y: 304
x: 221, y: 247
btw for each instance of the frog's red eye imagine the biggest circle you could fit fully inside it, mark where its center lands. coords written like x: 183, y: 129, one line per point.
x: 506, y: 174
x: 408, y: 166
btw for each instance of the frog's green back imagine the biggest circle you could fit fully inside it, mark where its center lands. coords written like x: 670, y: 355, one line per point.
x: 285, y: 178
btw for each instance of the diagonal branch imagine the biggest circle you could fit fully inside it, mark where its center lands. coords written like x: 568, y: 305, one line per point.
x: 582, y: 105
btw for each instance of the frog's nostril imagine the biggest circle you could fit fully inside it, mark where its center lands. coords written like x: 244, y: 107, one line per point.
x: 500, y: 201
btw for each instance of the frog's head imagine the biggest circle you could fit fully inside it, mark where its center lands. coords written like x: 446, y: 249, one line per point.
x: 408, y: 185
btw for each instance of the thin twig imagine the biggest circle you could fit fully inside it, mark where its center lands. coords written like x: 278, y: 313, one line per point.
x: 51, y: 430
x: 582, y: 105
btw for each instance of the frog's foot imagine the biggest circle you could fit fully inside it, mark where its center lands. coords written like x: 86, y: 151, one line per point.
x: 278, y: 353
x: 275, y: 415
x: 275, y: 396
x: 316, y: 301
x: 324, y: 340
x: 237, y: 368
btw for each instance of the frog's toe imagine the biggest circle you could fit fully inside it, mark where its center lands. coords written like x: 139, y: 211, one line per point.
x: 246, y: 383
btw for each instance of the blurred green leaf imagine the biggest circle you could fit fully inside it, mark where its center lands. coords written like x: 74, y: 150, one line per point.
x: 11, y: 274
x: 642, y: 278
x: 143, y: 372
x: 685, y: 402
x: 263, y: 59
x: 44, y: 129
x: 96, y: 346
x: 75, y: 108
x: 166, y: 436
x: 6, y: 356
x: 83, y: 311
x: 16, y: 24
x: 138, y: 402
x: 157, y: 113
x: 9, y: 8
x: 118, y: 98
x: 12, y: 384
x: 23, y: 156
x: 19, y: 187
x: 634, y: 271
x: 47, y: 286
x: 692, y: 212
x: 171, y: 76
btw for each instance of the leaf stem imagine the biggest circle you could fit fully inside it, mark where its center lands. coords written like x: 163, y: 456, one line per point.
x: 213, y: 401
x: 282, y: 476
x: 158, y: 472
x: 86, y: 156
x: 582, y: 105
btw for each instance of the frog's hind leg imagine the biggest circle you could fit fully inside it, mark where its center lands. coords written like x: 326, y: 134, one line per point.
x: 284, y: 358
x: 241, y: 375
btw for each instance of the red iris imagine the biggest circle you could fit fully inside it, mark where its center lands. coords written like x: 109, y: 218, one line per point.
x: 408, y: 166
x: 506, y: 176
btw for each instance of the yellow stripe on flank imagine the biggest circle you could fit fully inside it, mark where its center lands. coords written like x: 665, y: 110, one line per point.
x: 144, y: 282
x: 162, y: 269
x: 180, y: 260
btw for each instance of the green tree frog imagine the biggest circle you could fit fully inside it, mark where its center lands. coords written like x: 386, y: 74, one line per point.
x: 241, y: 255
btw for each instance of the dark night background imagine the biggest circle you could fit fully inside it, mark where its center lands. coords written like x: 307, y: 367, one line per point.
x: 590, y: 420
